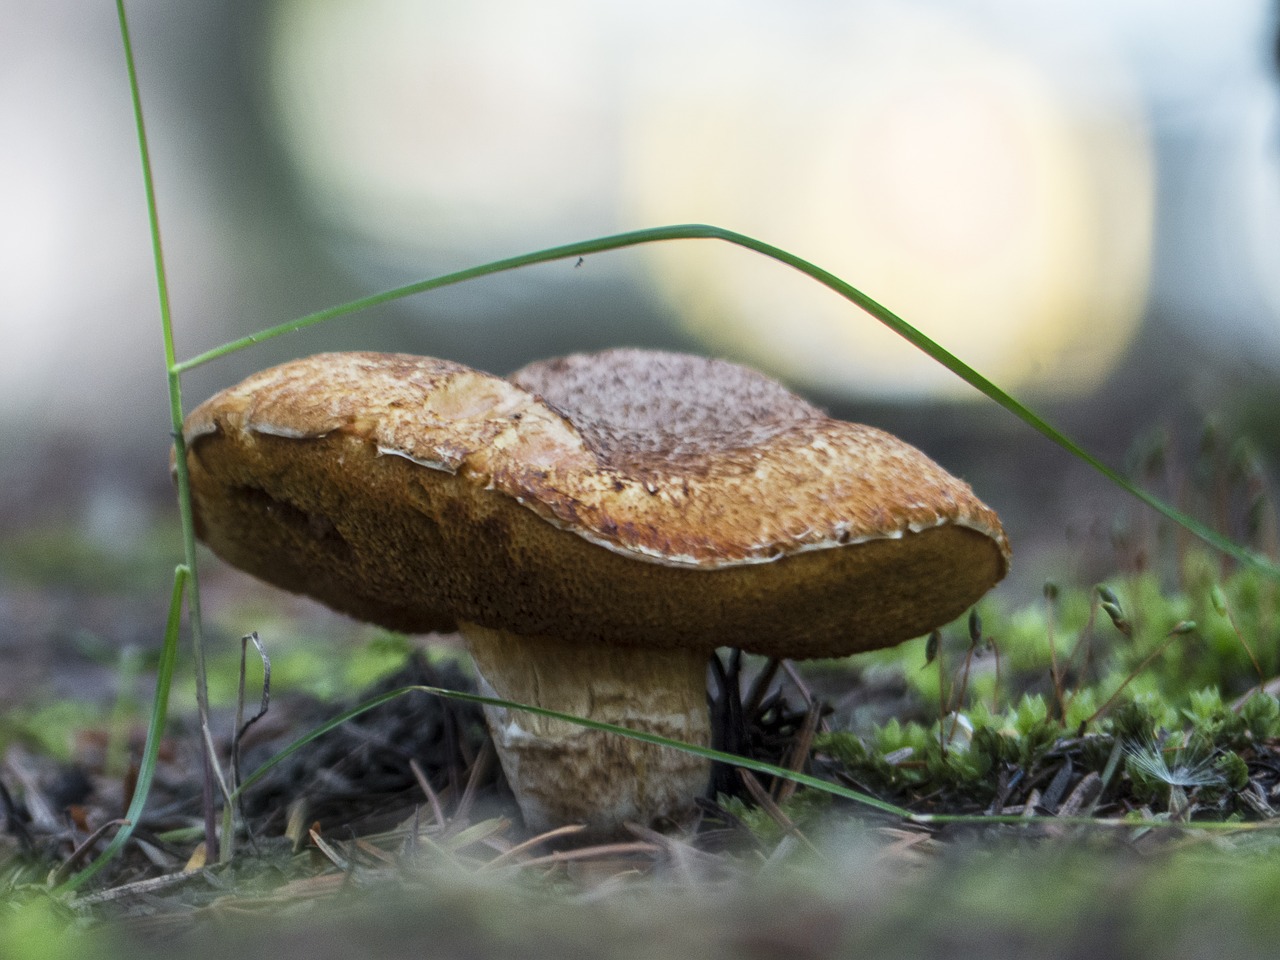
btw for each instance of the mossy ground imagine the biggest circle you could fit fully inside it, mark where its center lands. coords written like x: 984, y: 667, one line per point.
x: 1114, y: 755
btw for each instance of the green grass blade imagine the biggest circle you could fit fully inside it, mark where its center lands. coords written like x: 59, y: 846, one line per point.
x: 562, y: 252
x: 887, y: 317
x: 155, y: 730
x: 175, y: 416
x: 756, y: 766
x: 148, y: 181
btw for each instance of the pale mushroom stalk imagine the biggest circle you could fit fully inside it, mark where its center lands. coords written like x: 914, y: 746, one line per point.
x: 568, y: 773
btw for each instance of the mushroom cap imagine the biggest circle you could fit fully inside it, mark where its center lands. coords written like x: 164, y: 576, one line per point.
x: 630, y: 497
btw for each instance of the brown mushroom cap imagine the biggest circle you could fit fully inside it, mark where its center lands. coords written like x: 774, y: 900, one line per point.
x: 631, y: 497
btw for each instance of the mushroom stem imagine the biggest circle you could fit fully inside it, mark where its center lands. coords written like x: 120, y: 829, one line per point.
x: 563, y: 772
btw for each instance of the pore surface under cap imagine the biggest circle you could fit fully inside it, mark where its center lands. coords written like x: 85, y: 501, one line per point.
x: 414, y: 492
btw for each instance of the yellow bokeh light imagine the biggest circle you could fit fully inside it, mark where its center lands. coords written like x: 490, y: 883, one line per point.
x: 947, y: 177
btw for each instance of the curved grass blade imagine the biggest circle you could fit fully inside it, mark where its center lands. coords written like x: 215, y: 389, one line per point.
x: 756, y: 766
x: 212, y: 770
x: 887, y: 317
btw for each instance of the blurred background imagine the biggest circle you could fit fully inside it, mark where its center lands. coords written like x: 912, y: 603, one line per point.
x: 1082, y: 200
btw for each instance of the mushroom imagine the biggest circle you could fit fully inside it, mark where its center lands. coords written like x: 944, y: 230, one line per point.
x: 594, y: 526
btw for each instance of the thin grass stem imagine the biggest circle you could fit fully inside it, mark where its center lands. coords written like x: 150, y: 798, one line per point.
x: 744, y: 763
x: 212, y: 768
x: 697, y: 231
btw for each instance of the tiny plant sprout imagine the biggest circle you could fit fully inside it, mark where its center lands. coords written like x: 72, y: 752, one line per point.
x: 595, y: 526
x: 1219, y: 600
x: 1111, y: 605
x: 931, y: 646
x: 975, y: 628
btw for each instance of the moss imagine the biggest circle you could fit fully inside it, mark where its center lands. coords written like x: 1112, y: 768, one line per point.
x: 1179, y: 697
